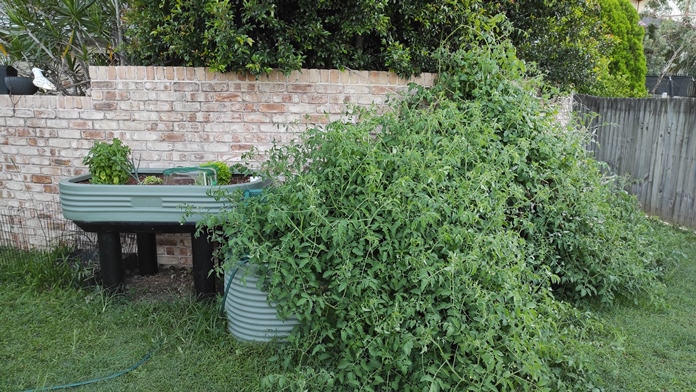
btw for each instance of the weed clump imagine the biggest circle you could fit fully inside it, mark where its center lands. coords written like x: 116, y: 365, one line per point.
x: 441, y: 245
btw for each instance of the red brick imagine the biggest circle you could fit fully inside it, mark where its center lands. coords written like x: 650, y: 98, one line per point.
x: 228, y: 97
x: 116, y: 95
x: 50, y: 189
x: 38, y: 179
x: 381, y: 90
x: 215, y: 86
x: 129, y: 85
x: 80, y: 124
x: 200, y: 97
x: 215, y: 107
x: 328, y: 89
x: 315, y: 99
x: 101, y: 85
x: 93, y: 135
x: 242, y: 107
x: 271, y: 87
x: 25, y: 132
x: 160, y: 126
x: 286, y: 98
x: 61, y: 162
x: 172, y: 137
x: 241, y: 147
x: 105, y: 106
x: 256, y: 117
x: 244, y: 87
x: 271, y: 107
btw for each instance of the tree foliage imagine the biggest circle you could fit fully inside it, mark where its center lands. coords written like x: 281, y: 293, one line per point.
x: 436, y: 246
x: 62, y: 37
x: 670, y: 48
x: 627, y: 64
x: 563, y: 37
x: 256, y: 36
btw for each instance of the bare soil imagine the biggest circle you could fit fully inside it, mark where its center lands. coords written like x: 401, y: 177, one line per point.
x: 182, y: 180
x: 169, y: 284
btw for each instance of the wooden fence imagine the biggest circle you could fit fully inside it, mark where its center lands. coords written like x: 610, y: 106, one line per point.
x: 653, y: 141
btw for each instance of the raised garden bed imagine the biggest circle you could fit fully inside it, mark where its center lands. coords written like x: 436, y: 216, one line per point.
x: 82, y: 201
x: 146, y: 210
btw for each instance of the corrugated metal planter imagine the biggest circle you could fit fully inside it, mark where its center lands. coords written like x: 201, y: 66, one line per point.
x: 140, y: 203
x: 250, y: 317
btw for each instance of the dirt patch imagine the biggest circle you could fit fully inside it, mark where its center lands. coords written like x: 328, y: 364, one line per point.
x: 169, y: 284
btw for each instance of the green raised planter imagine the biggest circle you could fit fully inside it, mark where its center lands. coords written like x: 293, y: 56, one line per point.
x: 141, y: 203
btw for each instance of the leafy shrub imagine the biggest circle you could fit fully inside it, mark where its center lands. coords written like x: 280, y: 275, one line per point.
x: 427, y: 248
x: 62, y: 37
x: 565, y: 39
x: 255, y: 36
x: 627, y: 62
x: 109, y: 163
x: 222, y: 171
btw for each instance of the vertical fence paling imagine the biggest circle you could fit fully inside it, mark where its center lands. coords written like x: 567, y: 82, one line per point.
x: 652, y: 141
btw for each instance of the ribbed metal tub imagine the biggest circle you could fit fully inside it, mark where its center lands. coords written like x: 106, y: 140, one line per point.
x: 141, y: 203
x: 249, y: 316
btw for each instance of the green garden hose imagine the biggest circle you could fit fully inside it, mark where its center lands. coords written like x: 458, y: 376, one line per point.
x: 149, y: 354
x: 229, y: 283
x: 77, y: 384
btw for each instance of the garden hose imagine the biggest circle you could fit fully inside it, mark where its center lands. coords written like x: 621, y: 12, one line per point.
x: 149, y: 354
x: 77, y: 384
x: 229, y: 283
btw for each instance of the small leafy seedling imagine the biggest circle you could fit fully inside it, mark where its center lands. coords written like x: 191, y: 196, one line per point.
x: 153, y: 180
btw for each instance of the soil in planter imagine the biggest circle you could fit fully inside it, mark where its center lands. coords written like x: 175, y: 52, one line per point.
x: 235, y: 179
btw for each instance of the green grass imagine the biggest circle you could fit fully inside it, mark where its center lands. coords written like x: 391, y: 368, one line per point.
x: 655, y: 349
x: 53, y: 334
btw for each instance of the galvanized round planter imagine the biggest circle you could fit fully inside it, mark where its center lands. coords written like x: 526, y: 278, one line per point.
x: 141, y: 203
x: 250, y: 317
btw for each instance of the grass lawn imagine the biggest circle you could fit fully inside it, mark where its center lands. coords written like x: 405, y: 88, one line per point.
x: 655, y: 349
x: 61, y: 336
x: 55, y: 336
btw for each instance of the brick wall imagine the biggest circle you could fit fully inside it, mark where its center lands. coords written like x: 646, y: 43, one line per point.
x: 169, y: 117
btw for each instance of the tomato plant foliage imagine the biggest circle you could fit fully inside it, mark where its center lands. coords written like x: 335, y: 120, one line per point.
x: 441, y: 245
